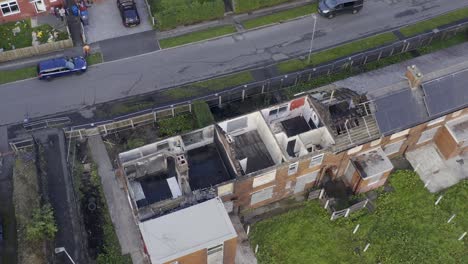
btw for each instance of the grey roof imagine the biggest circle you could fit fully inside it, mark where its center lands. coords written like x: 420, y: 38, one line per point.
x: 398, y: 111
x: 446, y: 94
x: 186, y: 231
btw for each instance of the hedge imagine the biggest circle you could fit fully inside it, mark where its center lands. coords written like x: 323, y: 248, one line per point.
x: 203, y: 115
x: 242, y: 6
x: 172, y: 13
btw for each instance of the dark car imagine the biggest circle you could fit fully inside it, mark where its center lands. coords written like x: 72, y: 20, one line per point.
x: 48, y: 69
x: 331, y: 8
x: 128, y: 12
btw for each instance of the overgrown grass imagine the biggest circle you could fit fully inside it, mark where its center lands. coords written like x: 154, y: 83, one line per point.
x: 19, y: 74
x: 197, y: 36
x: 122, y: 108
x: 280, y: 16
x: 243, y: 6
x: 212, y: 85
x: 442, y: 44
x: 405, y: 228
x: 337, y: 52
x: 94, y: 58
x: 436, y: 22
x: 175, y: 125
x: 202, y: 113
x: 172, y: 13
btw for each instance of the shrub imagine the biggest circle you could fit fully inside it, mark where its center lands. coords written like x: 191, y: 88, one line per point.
x: 42, y: 226
x: 172, y: 13
x: 203, y: 115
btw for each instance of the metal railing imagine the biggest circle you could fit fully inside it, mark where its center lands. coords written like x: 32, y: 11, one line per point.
x: 272, y: 85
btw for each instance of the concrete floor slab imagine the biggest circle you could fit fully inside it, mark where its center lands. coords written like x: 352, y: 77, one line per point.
x: 105, y: 21
x: 437, y: 173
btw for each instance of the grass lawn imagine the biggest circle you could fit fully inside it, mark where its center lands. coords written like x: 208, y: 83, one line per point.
x: 337, y: 52
x: 213, y: 85
x: 15, y: 75
x: 243, y: 6
x: 433, y: 23
x: 281, y: 16
x: 405, y: 228
x: 94, y: 58
x: 197, y: 36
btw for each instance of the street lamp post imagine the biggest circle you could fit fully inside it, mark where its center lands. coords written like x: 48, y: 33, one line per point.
x: 62, y: 249
x: 312, y: 39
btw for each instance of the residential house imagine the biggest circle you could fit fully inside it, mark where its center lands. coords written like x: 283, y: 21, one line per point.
x: 14, y: 10
x: 334, y: 134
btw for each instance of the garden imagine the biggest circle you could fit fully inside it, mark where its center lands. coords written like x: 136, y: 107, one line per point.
x: 406, y: 227
x: 172, y: 13
x: 21, y: 34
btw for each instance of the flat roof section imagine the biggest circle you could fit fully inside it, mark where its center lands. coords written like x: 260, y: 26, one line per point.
x: 186, y: 231
x: 459, y: 128
x: 398, y: 111
x: 250, y: 145
x: 206, y: 168
x: 372, y: 163
x: 446, y: 94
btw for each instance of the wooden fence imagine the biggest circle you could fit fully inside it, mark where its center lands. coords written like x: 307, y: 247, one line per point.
x: 345, y: 212
x: 35, y: 50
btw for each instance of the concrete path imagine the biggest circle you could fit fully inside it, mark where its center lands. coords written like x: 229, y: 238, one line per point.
x: 436, y: 172
x: 170, y: 67
x: 244, y: 253
x: 119, y: 209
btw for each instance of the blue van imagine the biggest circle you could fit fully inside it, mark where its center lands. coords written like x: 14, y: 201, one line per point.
x: 48, y: 69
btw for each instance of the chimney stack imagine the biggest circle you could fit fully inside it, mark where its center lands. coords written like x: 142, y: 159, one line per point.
x: 414, y: 76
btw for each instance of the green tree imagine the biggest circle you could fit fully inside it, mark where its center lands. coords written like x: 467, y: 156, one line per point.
x: 42, y: 226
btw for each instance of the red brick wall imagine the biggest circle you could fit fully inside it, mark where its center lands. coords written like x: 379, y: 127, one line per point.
x: 28, y: 10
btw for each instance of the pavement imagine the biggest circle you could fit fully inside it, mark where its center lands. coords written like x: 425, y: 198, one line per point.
x: 117, y: 201
x: 105, y: 21
x: 170, y: 67
x: 436, y: 172
x: 244, y: 252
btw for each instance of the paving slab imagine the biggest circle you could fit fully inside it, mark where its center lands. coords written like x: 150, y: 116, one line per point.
x: 436, y: 173
x: 105, y: 21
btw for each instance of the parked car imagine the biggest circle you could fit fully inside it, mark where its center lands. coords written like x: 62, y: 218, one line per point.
x: 128, y: 12
x: 331, y: 8
x: 48, y: 69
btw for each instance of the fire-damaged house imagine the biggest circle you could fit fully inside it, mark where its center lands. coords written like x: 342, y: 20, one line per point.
x: 249, y: 161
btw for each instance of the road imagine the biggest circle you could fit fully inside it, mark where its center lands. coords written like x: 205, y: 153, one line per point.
x: 166, y: 68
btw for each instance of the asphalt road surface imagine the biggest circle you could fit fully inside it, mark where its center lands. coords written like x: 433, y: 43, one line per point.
x: 166, y: 68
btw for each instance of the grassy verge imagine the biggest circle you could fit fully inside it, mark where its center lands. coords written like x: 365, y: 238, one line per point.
x: 197, y: 36
x: 94, y: 58
x: 243, y: 6
x: 281, y: 16
x: 405, y: 228
x: 19, y: 74
x: 337, y: 52
x: 436, y: 22
x: 213, y: 85
x: 442, y: 44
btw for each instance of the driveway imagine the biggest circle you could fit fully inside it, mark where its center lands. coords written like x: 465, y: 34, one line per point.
x: 105, y: 21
